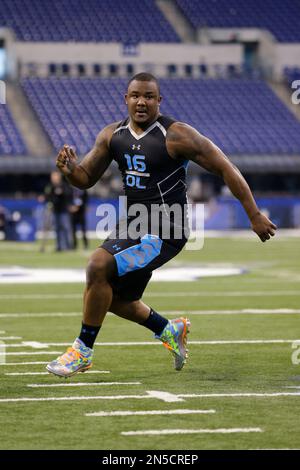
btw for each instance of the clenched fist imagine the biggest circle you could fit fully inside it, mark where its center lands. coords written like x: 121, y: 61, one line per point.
x: 263, y: 226
x: 66, y: 160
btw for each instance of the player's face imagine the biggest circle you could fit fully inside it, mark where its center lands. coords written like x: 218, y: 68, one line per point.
x: 143, y: 100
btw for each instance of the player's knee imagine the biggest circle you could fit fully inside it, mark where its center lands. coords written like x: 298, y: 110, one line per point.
x: 100, y: 267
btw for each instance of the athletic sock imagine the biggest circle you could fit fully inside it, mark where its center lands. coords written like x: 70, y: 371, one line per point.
x: 155, y: 322
x: 88, y: 334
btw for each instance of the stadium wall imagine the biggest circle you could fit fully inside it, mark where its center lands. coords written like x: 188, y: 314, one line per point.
x: 25, y: 217
x: 117, y: 53
x: 272, y: 56
x: 287, y: 55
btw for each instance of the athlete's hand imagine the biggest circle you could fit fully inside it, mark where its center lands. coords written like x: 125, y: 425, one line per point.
x: 263, y: 226
x: 66, y: 160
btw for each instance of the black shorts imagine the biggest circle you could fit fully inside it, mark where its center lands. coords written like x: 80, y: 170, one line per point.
x: 136, y: 259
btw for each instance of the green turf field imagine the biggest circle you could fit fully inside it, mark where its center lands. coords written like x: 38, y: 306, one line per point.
x: 232, y: 353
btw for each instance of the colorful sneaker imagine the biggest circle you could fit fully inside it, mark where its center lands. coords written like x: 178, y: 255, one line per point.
x: 174, y: 338
x: 78, y: 358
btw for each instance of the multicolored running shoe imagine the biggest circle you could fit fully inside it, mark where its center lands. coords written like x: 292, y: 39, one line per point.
x: 174, y: 338
x: 77, y: 358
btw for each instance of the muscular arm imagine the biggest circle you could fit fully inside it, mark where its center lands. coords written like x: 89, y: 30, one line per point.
x: 85, y: 174
x: 183, y: 141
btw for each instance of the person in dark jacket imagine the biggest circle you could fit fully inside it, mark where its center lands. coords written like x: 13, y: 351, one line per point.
x: 78, y: 211
x: 59, y: 194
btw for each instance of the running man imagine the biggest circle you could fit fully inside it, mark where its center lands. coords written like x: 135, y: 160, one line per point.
x: 152, y: 152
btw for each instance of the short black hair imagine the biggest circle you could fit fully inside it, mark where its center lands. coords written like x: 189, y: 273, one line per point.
x: 144, y: 77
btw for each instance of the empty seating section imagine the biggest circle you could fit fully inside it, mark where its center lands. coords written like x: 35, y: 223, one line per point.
x: 282, y: 18
x: 11, y: 142
x: 127, y: 21
x: 74, y: 110
x: 291, y: 74
x: 241, y: 116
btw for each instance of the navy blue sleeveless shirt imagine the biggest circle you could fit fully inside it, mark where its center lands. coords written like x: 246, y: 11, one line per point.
x: 150, y: 175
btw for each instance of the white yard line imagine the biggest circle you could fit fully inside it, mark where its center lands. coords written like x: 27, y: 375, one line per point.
x: 36, y: 353
x: 152, y: 412
x: 47, y: 373
x: 82, y: 384
x: 155, y: 432
x: 75, y: 398
x: 40, y: 296
x: 244, y: 311
x: 10, y: 337
x: 246, y: 341
x: 40, y: 315
x: 30, y: 344
x: 34, y: 344
x: 164, y: 396
x: 22, y: 363
x: 187, y: 294
x: 266, y: 293
x: 151, y: 395
x: 158, y: 343
x: 238, y: 395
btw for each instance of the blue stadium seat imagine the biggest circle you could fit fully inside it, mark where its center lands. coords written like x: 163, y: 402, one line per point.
x: 11, y: 142
x: 291, y: 74
x: 89, y: 21
x: 281, y: 18
x: 241, y: 116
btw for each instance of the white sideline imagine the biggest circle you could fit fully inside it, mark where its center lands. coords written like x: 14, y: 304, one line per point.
x: 152, y: 412
x: 82, y: 384
x: 154, y: 432
x: 47, y: 373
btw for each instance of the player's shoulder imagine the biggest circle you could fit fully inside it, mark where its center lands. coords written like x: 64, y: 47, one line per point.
x: 107, y: 132
x: 179, y: 130
x: 111, y: 128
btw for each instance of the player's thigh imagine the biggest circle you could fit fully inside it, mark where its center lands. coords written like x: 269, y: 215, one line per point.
x: 101, y: 265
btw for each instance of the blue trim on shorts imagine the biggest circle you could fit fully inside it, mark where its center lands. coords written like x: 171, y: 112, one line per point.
x: 138, y: 256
